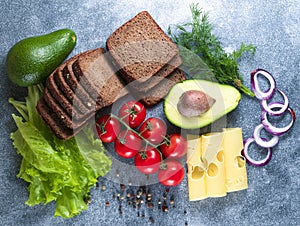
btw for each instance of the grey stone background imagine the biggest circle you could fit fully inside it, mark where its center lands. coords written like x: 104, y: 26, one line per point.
x: 272, y: 25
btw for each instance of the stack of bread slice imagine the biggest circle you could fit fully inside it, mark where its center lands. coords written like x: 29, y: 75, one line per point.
x: 141, y: 59
x: 76, y: 90
x: 146, y: 57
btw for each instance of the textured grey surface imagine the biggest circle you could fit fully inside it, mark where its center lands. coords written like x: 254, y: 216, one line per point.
x: 273, y: 26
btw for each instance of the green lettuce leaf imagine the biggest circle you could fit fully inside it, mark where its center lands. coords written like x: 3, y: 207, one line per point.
x: 37, y: 150
x: 56, y: 170
x: 70, y: 203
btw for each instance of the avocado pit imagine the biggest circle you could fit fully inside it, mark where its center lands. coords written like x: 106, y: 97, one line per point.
x: 194, y: 103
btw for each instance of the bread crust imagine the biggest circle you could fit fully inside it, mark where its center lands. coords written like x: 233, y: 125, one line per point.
x: 157, y: 93
x: 60, y: 97
x: 52, y: 121
x: 76, y: 87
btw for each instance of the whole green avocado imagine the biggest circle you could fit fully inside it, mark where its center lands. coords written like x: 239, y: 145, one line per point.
x: 31, y: 60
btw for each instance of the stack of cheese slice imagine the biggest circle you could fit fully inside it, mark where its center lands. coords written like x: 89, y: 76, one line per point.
x: 215, y: 164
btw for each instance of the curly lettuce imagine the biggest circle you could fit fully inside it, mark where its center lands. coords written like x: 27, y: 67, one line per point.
x: 56, y: 170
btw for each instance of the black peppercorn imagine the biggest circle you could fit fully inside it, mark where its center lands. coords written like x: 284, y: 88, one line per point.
x: 122, y: 186
x: 151, y: 219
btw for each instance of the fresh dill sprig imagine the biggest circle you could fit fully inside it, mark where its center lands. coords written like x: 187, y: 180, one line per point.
x: 197, y: 38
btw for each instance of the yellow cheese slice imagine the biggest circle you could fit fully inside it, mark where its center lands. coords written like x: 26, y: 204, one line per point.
x: 197, y: 184
x: 215, y: 165
x: 196, y: 169
x: 235, y: 164
x: 193, y: 149
x: 211, y: 145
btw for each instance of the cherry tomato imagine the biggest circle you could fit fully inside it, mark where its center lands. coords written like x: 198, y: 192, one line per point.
x: 175, y: 146
x: 171, y: 174
x: 107, y: 128
x: 127, y: 144
x: 148, y: 160
x: 133, y: 113
x: 154, y: 130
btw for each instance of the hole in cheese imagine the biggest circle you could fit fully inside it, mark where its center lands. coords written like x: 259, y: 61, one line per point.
x: 197, y: 173
x: 212, y: 170
x: 240, y: 161
x: 220, y: 156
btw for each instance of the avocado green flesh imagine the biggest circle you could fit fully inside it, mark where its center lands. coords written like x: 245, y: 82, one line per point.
x: 227, y: 99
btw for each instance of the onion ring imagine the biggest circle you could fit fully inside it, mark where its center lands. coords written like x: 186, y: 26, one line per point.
x: 252, y: 161
x: 283, y: 107
x: 255, y: 86
x: 262, y: 142
x: 272, y: 129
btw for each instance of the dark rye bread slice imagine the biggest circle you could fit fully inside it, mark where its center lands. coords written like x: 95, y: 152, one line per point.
x: 63, y: 117
x: 157, y: 93
x: 58, y: 119
x: 97, y: 76
x: 78, y: 104
x: 74, y: 98
x: 76, y: 87
x: 53, y: 122
x: 66, y: 89
x: 140, y: 48
x: 160, y: 75
x: 51, y: 102
x: 59, y: 96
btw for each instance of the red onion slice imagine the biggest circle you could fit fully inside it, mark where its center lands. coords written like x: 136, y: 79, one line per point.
x: 272, y: 129
x: 263, y: 142
x: 266, y: 107
x: 255, y: 86
x: 252, y: 161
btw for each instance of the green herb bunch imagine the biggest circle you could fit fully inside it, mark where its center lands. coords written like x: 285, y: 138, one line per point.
x: 195, y: 38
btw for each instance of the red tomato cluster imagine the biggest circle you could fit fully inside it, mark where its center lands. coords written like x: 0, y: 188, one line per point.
x: 146, y: 141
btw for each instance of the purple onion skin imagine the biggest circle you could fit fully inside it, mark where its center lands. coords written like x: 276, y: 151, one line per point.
x: 265, y: 106
x: 258, y: 164
x: 273, y: 130
x: 260, y: 96
x: 255, y: 163
x: 267, y: 110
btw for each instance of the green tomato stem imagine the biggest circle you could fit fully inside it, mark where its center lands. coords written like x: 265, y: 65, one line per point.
x: 130, y: 129
x: 148, y: 143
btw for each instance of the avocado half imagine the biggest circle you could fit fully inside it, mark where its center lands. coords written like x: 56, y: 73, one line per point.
x: 227, y: 99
